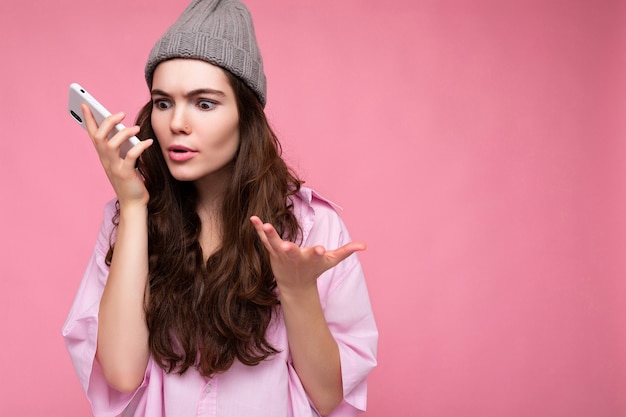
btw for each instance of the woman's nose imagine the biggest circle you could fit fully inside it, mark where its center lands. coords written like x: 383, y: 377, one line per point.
x: 179, y: 123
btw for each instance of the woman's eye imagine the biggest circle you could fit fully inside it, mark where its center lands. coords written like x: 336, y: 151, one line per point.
x: 161, y: 104
x: 206, y: 104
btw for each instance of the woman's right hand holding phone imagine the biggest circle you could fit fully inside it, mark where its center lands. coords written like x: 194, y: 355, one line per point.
x: 125, y: 179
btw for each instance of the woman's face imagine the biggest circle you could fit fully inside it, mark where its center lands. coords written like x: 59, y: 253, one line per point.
x: 195, y: 119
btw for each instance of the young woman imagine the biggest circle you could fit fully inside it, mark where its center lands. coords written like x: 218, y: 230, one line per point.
x: 210, y: 291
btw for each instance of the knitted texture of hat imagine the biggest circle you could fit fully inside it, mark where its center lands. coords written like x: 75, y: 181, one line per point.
x: 216, y: 31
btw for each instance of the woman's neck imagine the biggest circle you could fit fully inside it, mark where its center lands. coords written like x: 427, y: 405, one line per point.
x: 210, y: 192
x: 210, y: 237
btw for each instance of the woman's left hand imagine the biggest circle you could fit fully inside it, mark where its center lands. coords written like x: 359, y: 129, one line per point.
x: 297, y: 268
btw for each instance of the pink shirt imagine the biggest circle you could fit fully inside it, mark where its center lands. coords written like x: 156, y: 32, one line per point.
x: 271, y: 389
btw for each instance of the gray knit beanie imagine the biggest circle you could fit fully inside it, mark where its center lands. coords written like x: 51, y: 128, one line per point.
x: 219, y: 32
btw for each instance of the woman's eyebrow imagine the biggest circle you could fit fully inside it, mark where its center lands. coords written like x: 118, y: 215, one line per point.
x: 192, y: 93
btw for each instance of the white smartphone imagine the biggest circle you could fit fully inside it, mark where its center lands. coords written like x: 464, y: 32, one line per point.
x: 79, y: 95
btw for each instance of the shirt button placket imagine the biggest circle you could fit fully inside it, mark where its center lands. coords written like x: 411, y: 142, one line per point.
x: 207, y: 406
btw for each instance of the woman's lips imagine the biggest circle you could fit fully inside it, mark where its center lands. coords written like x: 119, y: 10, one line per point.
x: 180, y: 153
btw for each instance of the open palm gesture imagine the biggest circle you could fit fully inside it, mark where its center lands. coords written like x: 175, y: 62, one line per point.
x: 297, y: 268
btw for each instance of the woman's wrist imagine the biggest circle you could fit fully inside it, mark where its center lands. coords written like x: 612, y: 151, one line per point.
x: 298, y: 293
x: 133, y: 209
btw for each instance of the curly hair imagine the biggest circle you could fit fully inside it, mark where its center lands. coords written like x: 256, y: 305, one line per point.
x: 208, y: 313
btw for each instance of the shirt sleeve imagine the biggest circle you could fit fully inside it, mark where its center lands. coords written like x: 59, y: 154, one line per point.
x: 80, y: 330
x: 347, y: 308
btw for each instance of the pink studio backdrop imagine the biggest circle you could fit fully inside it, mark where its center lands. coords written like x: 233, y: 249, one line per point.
x: 477, y: 146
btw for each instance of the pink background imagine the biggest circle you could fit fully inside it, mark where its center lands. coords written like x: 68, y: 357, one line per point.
x: 477, y: 146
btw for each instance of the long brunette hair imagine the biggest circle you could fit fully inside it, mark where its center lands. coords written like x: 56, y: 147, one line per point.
x: 209, y: 313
